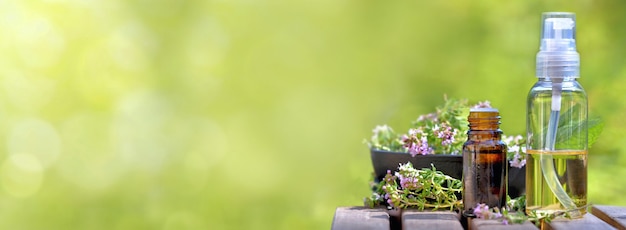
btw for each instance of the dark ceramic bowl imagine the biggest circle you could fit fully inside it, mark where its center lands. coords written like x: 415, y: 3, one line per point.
x: 451, y: 165
x: 517, y: 181
x: 382, y: 160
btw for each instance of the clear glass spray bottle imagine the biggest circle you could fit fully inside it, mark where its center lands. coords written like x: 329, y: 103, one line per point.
x: 556, y: 122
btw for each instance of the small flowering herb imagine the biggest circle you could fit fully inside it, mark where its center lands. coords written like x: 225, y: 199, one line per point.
x: 417, y: 142
x: 516, y: 151
x: 385, y: 138
x: 482, y: 211
x: 412, y: 188
x: 441, y: 132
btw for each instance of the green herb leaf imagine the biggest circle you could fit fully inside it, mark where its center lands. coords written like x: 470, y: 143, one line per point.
x: 596, y: 125
x: 571, y: 139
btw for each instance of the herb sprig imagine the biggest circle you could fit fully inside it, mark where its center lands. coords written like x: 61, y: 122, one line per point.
x: 440, y: 132
x: 417, y: 188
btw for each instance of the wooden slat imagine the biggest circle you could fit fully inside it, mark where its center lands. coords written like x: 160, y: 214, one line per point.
x: 615, y: 216
x: 347, y: 218
x: 480, y: 224
x: 430, y: 220
x: 589, y: 221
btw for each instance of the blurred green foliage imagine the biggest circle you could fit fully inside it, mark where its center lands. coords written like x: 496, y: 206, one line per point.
x: 250, y: 114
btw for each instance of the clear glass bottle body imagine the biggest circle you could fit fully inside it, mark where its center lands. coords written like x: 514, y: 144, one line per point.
x: 484, y: 162
x: 569, y: 154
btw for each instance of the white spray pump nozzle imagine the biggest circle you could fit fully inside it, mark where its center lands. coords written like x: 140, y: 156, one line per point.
x: 559, y: 31
x: 557, y: 57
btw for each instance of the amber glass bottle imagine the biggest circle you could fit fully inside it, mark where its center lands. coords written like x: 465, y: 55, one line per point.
x: 484, y: 161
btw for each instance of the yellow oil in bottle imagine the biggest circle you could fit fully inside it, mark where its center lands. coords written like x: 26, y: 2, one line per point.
x: 571, y: 168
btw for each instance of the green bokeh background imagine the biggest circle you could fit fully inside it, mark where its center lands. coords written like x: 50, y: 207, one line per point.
x: 250, y: 114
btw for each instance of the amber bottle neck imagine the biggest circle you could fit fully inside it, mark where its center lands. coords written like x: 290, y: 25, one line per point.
x: 484, y: 125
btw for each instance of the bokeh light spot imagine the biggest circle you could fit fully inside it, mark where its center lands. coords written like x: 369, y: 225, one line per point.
x: 40, y: 44
x: 28, y: 92
x: 21, y: 175
x: 88, y: 159
x: 207, y: 36
x: 205, y: 47
x: 129, y: 46
x: 37, y: 138
x: 139, y: 129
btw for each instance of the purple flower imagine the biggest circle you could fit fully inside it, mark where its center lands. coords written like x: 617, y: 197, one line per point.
x: 417, y: 145
x: 408, y: 182
x: 482, y: 211
x: 482, y: 104
x: 445, y: 132
x: 421, y: 147
x: 517, y: 161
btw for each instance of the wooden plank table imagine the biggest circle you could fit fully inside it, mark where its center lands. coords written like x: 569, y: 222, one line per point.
x: 600, y: 217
